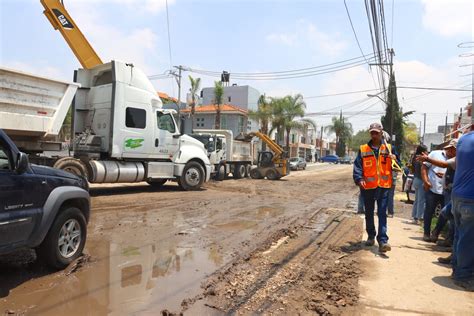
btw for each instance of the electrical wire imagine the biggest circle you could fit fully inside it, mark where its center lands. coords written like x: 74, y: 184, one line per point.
x: 340, y: 93
x: 286, y: 72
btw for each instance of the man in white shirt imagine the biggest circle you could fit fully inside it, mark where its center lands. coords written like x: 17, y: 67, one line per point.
x: 433, y: 183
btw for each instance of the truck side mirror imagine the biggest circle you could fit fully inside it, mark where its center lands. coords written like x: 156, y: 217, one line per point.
x: 21, y: 163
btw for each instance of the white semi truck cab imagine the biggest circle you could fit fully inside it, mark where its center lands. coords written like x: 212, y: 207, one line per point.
x: 120, y: 131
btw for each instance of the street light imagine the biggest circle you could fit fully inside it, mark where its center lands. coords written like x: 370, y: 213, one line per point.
x: 391, y: 112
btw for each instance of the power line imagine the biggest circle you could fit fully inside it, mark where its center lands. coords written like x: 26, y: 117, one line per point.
x: 433, y: 88
x: 393, y: 13
x: 288, y: 72
x: 297, y: 75
x: 357, y: 40
x: 353, y: 30
x: 169, y: 34
x: 341, y: 93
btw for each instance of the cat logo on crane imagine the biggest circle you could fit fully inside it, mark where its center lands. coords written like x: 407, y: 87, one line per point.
x: 63, y: 20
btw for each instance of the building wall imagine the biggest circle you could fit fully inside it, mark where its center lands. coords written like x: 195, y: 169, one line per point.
x: 244, y: 97
x: 235, y: 122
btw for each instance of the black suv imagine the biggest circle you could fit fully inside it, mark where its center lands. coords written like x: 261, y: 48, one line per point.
x: 41, y: 207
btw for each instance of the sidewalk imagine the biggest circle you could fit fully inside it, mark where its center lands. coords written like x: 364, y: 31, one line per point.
x: 409, y: 280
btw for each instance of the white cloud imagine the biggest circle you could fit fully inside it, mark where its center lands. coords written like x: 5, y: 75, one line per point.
x: 39, y: 69
x: 449, y: 18
x: 308, y: 34
x: 136, y: 45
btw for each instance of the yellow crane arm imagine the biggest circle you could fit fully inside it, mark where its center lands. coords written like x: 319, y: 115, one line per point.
x: 273, y: 146
x: 62, y: 21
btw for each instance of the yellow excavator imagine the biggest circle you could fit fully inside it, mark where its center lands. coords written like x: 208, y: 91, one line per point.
x: 271, y: 165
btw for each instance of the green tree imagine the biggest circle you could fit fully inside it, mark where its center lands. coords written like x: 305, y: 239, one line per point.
x: 195, y: 86
x: 218, y: 95
x: 398, y: 116
x: 360, y: 138
x: 343, y: 131
x: 292, y: 107
x: 264, y: 115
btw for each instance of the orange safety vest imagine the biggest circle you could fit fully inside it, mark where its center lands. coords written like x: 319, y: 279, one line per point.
x: 377, y: 171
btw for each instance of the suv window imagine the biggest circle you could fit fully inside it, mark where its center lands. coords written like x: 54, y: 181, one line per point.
x: 165, y: 122
x: 5, y: 162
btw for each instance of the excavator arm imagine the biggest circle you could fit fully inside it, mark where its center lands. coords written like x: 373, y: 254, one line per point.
x: 62, y: 21
x: 273, y: 146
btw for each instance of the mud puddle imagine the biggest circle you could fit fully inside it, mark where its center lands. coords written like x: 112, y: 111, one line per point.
x: 125, y: 279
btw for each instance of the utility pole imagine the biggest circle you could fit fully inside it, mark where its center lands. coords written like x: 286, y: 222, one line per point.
x: 392, y: 114
x: 419, y: 131
x: 178, y: 81
x: 424, y: 127
x: 321, y: 143
x: 446, y: 127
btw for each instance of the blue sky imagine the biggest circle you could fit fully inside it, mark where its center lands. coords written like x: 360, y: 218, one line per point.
x: 256, y: 36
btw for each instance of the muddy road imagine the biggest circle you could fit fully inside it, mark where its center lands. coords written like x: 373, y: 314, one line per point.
x: 238, y: 246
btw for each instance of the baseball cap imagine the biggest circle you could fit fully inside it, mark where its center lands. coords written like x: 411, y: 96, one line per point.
x: 452, y: 143
x: 375, y: 127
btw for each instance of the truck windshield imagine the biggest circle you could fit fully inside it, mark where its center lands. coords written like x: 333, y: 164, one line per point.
x: 207, y: 140
x: 165, y: 122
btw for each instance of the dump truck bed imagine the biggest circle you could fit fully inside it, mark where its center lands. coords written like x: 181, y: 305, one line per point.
x: 33, y: 107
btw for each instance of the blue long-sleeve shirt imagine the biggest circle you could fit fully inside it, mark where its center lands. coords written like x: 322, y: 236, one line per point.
x: 357, y: 173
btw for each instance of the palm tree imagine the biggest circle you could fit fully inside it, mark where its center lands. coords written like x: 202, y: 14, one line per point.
x: 293, y: 107
x: 195, y: 86
x: 343, y: 131
x: 218, y: 94
x: 264, y: 115
x: 304, y: 124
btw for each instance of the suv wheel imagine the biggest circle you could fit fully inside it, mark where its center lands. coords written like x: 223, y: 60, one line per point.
x: 65, y: 240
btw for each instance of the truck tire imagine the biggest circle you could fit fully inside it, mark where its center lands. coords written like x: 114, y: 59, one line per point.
x: 192, y: 177
x: 239, y: 171
x: 255, y: 174
x: 65, y: 239
x: 221, y: 173
x: 272, y: 174
x: 72, y: 165
x: 247, y: 170
x: 157, y: 184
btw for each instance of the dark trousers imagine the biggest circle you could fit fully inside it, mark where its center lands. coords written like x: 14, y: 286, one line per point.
x: 379, y: 195
x: 432, y: 199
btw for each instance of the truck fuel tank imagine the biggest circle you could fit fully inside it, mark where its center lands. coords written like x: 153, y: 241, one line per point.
x: 110, y: 171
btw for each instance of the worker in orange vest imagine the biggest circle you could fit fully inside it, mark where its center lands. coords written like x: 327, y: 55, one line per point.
x: 373, y: 174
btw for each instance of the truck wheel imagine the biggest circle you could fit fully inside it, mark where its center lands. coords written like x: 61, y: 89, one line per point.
x: 255, y: 174
x: 272, y: 175
x: 220, y: 175
x: 157, y: 184
x: 239, y: 171
x: 192, y: 177
x: 247, y: 170
x: 65, y: 240
x: 72, y: 165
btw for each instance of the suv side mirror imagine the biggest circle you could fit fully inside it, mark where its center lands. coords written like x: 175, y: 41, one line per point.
x: 21, y: 163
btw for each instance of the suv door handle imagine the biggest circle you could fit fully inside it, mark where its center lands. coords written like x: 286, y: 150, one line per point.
x: 157, y: 142
x: 43, y: 182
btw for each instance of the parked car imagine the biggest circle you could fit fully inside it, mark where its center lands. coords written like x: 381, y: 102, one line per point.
x: 297, y: 163
x: 346, y: 160
x: 330, y: 158
x: 41, y: 207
